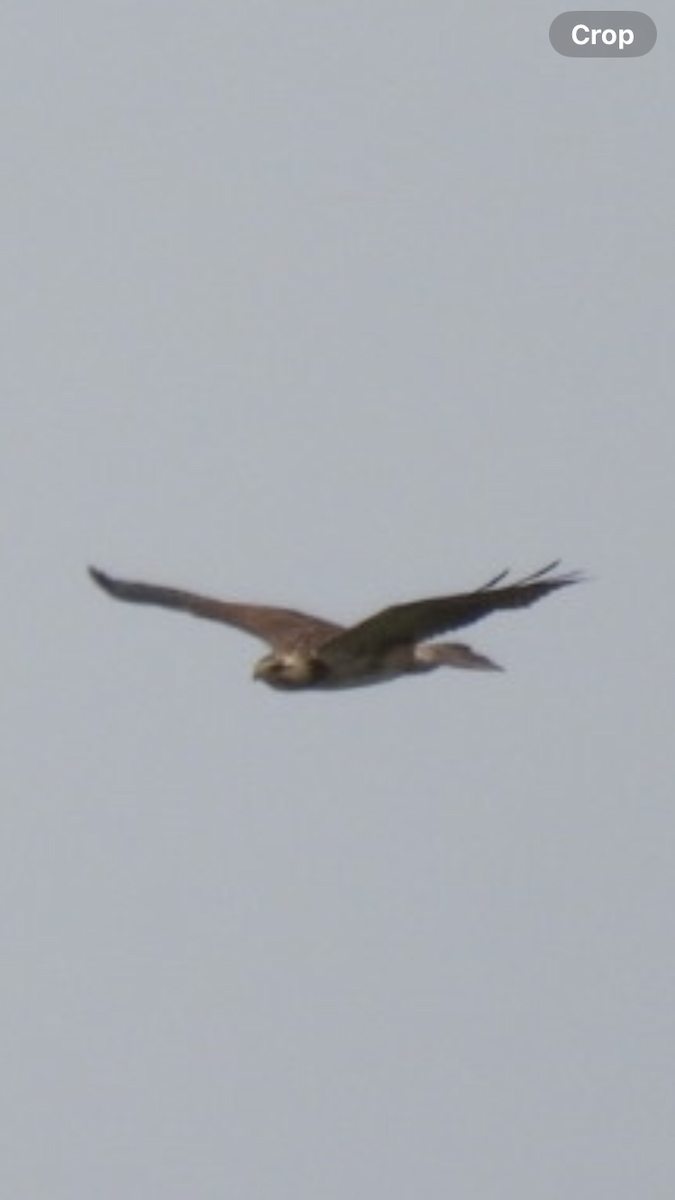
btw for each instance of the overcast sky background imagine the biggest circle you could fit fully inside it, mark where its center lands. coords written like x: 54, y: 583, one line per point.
x: 332, y: 305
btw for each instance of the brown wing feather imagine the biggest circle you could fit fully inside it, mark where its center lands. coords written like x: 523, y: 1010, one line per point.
x: 404, y: 624
x: 283, y: 629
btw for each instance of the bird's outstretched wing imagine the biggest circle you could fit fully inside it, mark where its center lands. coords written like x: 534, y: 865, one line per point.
x: 283, y: 629
x: 405, y: 624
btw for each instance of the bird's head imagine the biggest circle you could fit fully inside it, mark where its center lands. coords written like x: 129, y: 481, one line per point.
x: 287, y: 672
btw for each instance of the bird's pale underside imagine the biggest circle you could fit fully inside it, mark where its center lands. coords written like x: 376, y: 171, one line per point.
x: 308, y: 652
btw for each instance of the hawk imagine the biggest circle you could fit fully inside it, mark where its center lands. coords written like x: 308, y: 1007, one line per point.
x: 309, y: 652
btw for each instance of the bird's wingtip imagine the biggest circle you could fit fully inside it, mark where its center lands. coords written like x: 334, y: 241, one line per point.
x: 104, y: 581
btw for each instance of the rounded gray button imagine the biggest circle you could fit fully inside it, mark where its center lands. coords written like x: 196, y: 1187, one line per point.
x: 603, y: 34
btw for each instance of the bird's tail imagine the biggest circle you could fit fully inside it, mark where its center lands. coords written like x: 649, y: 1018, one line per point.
x: 455, y: 654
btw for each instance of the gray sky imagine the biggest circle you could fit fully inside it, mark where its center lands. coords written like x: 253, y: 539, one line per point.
x: 328, y: 306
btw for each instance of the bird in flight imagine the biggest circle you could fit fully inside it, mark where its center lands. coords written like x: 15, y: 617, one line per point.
x: 311, y: 653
